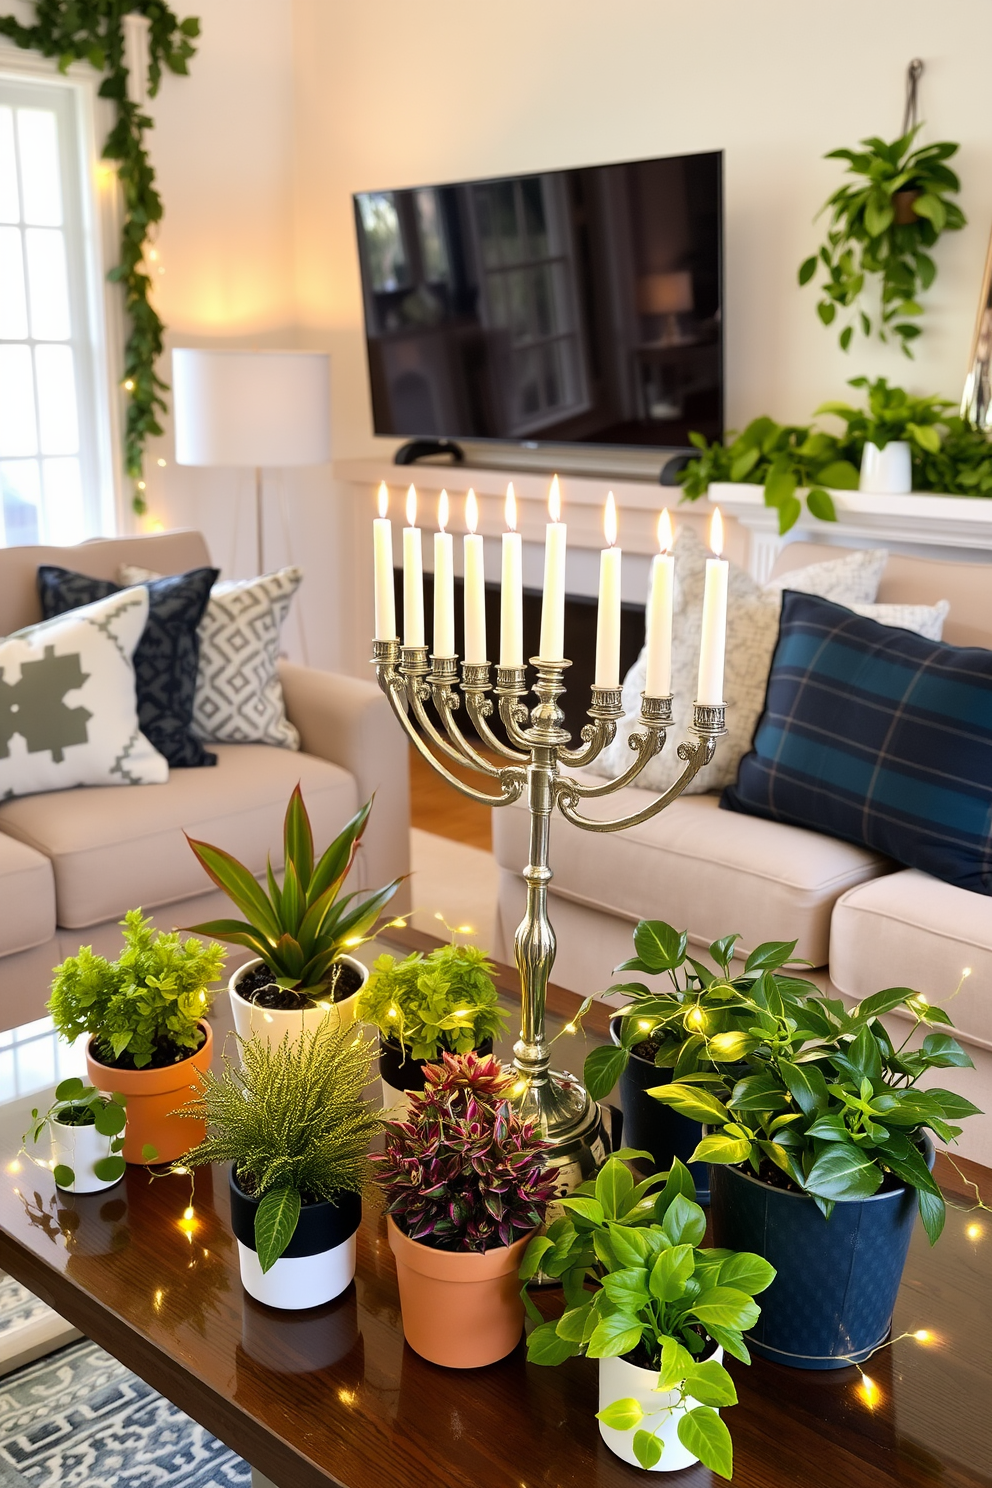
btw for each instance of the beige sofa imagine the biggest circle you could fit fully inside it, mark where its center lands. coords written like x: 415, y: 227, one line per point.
x: 73, y: 861
x: 863, y: 921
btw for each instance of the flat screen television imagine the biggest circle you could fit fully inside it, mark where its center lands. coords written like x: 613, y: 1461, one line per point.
x: 576, y: 306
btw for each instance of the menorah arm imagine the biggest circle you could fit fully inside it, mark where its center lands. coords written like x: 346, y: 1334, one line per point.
x: 446, y: 701
x: 568, y: 792
x: 479, y: 709
x: 513, y: 713
x: 647, y: 745
x: 656, y: 717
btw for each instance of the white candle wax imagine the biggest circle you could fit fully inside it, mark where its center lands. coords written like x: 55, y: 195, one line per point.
x: 413, y: 588
x: 608, y: 619
x: 511, y: 629
x: 553, y: 606
x: 385, y: 595
x: 709, y: 688
x: 444, y: 595
x: 661, y: 596
x: 475, y: 600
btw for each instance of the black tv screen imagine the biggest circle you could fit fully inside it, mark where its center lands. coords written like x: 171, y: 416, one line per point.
x: 569, y: 306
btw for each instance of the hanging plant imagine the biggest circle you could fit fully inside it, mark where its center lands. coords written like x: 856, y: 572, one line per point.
x: 93, y: 31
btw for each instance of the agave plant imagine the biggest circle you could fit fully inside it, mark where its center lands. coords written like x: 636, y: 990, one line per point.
x: 302, y: 929
x: 464, y: 1172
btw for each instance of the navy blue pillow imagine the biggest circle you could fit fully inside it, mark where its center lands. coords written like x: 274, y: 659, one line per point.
x: 877, y: 736
x: 166, y: 657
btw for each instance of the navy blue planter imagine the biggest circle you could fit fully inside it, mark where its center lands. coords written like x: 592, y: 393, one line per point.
x: 654, y: 1127
x: 831, y: 1303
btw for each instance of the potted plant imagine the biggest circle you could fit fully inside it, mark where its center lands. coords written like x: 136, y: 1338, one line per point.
x: 291, y: 1120
x: 424, y: 1006
x: 299, y: 933
x: 820, y: 1159
x: 654, y: 1308
x: 465, y: 1189
x: 889, y: 431
x: 694, y: 1027
x: 146, y: 1017
x: 85, y: 1132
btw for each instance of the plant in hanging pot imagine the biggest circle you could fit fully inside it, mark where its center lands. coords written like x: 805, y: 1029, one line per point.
x: 820, y: 1159
x: 654, y: 1308
x: 85, y: 1133
x: 300, y: 933
x: 292, y: 1121
x: 465, y: 1189
x: 146, y: 1016
x: 424, y: 1006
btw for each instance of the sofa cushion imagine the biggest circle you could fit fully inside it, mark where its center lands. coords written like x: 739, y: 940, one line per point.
x: 108, y: 856
x: 911, y: 930
x: 710, y: 871
x: 27, y: 897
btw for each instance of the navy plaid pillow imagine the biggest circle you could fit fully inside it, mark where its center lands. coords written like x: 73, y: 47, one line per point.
x: 877, y: 736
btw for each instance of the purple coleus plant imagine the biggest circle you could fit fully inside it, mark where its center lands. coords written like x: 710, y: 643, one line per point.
x: 464, y: 1172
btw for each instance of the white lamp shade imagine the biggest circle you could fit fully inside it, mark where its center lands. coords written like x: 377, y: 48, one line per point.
x: 254, y: 408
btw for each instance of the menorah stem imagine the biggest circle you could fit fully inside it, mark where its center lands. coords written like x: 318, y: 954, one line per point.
x: 535, y: 944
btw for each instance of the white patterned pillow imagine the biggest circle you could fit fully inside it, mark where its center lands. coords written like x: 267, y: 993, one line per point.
x: 926, y: 620
x: 68, y: 712
x: 238, y: 693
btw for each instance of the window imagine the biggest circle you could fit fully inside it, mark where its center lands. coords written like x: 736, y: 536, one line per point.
x: 50, y: 419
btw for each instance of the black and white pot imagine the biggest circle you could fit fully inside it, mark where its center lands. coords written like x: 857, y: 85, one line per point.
x: 651, y: 1126
x: 318, y: 1263
x: 272, y: 1024
x: 81, y: 1148
x: 402, y: 1077
x: 621, y: 1380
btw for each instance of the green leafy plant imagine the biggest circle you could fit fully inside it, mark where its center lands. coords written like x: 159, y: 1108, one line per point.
x: 144, y: 1008
x: 882, y: 223
x: 93, y: 31
x: 961, y: 465
x: 702, y: 1021
x: 428, y: 1004
x: 301, y: 930
x: 292, y: 1119
x: 892, y: 414
x: 637, y: 1284
x: 828, y: 1104
x: 76, y: 1104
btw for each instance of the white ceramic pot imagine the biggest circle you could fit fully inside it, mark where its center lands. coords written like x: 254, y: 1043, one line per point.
x: 888, y: 471
x: 273, y: 1023
x: 619, y: 1380
x: 319, y: 1263
x: 395, y: 1103
x: 80, y: 1148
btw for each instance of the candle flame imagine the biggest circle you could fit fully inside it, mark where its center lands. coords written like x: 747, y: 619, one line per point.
x: 411, y: 506
x: 554, y: 500
x: 383, y: 498
x: 442, y: 511
x: 665, y: 535
x: 471, y: 511
x: 511, y: 508
x: 610, y: 521
x: 716, y: 532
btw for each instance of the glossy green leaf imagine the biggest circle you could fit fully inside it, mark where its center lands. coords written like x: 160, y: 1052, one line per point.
x: 630, y: 1245
x: 684, y: 1222
x: 670, y: 1273
x: 614, y: 1187
x: 843, y: 1171
x: 730, y: 1341
x: 275, y: 1224
x: 110, y: 1119
x: 545, y: 1347
x: 691, y: 1101
x: 806, y: 1085
x: 730, y: 1047
x: 622, y: 1415
x: 69, y: 1089
x: 659, y: 946
x: 298, y: 840
x: 628, y: 1289
x: 109, y: 1169
x: 63, y: 1175
x: 590, y: 1209
x: 770, y: 955
x: 704, y: 1434
x: 676, y: 1361
x: 536, y: 1250
x: 944, y: 1052
x: 726, y: 1307
x: 647, y: 1449
x: 603, y: 1067
x: 718, y: 1148
x: 710, y: 1384
x: 748, y: 1272
x: 573, y: 1324
x: 933, y: 1213
x: 615, y: 1335
x: 149, y: 1153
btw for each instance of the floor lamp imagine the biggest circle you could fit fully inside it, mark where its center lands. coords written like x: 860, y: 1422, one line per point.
x: 252, y: 409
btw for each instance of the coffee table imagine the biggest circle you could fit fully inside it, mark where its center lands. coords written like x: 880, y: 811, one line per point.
x: 334, y: 1397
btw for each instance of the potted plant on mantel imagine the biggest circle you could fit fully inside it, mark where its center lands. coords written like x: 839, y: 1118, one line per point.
x: 292, y: 1122
x: 465, y: 1189
x: 146, y: 1016
x: 299, y: 933
x: 654, y: 1308
x: 820, y: 1158
x: 424, y: 1006
x: 85, y: 1132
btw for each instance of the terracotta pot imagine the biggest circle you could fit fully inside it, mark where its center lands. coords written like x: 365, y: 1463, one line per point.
x: 461, y: 1309
x: 904, y: 205
x: 153, y: 1096
x: 272, y: 1023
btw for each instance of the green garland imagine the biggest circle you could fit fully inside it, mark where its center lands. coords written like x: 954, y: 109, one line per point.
x: 93, y: 31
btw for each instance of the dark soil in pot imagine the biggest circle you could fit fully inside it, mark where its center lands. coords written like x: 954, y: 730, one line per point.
x: 642, y: 1359
x: 651, y: 1126
x: 258, y: 985
x: 408, y: 1073
x: 165, y: 1054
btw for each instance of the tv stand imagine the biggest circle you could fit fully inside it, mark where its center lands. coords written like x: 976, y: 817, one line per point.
x: 424, y: 449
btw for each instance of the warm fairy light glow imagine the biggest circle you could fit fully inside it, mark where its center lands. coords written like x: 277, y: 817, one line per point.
x: 180, y: 1170
x: 644, y: 1025
x: 923, y: 1335
x: 188, y: 1213
x: 666, y: 537
x: 511, y: 508
x: 696, y: 1018
x: 716, y: 532
x: 141, y: 485
x: 346, y: 1397
x: 466, y: 930
x: 203, y: 996
x: 411, y: 506
x: 14, y: 1167
x: 554, y: 500
x: 129, y: 385
x: 396, y: 925
x: 442, y: 512
x: 325, y: 1007
x: 966, y: 973
x: 353, y: 940
x: 159, y: 1297
x: 161, y: 464
x: 570, y: 1028
x: 471, y: 511
x: 267, y: 1017
x: 383, y: 498
x: 392, y: 1013
x: 610, y: 521
x: 974, y: 1232
x: 519, y: 1087
x: 869, y: 1391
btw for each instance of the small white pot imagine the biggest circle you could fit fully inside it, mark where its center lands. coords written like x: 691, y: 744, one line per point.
x: 888, y: 471
x: 299, y: 1281
x: 80, y: 1148
x: 619, y: 1380
x: 273, y: 1023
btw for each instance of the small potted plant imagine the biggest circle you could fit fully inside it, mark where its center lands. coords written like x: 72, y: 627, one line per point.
x: 146, y: 1017
x: 291, y: 1120
x: 654, y: 1308
x: 85, y: 1130
x: 465, y: 1189
x: 820, y: 1159
x: 696, y: 1026
x: 424, y: 1006
x: 300, y: 933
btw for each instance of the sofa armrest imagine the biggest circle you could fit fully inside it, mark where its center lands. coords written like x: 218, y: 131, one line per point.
x: 350, y: 723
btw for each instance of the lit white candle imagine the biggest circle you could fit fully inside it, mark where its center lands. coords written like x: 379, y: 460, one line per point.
x: 661, y: 601
x: 511, y: 615
x: 553, y: 606
x: 713, y: 644
x: 385, y: 594
x: 475, y: 587
x: 413, y: 576
x: 608, y: 618
x: 444, y: 584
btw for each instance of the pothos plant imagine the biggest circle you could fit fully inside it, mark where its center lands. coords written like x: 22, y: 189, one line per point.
x: 882, y: 223
x: 427, y: 1004
x: 76, y: 1104
x: 93, y: 31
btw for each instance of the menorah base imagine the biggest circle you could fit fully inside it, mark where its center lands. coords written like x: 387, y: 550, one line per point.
x: 572, y: 1122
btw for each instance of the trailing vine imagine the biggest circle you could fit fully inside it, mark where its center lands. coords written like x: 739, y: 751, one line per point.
x: 93, y: 31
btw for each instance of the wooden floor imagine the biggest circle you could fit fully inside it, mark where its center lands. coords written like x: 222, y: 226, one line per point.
x: 436, y: 807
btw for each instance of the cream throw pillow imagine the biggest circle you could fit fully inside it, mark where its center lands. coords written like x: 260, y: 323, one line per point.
x: 68, y: 713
